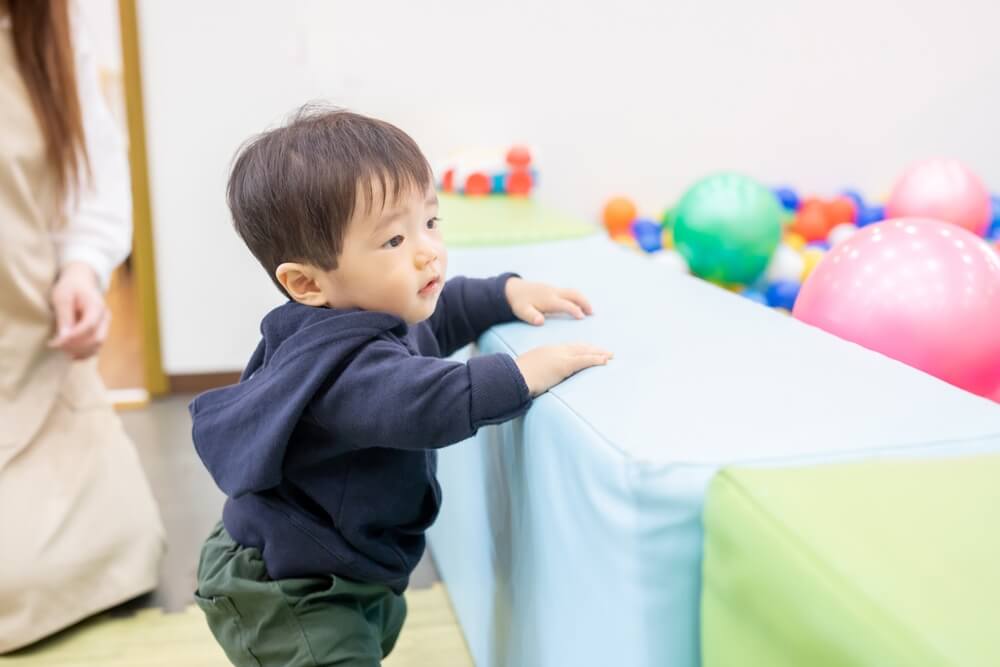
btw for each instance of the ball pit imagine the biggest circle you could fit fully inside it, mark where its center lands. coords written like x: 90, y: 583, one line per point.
x: 773, y: 247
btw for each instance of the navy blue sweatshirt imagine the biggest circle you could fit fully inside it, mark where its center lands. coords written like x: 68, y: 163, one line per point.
x: 326, y: 446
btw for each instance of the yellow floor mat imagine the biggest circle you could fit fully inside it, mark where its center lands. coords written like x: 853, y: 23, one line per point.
x: 150, y: 638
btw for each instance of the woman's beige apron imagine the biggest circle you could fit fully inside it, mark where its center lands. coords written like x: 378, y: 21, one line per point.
x: 79, y: 529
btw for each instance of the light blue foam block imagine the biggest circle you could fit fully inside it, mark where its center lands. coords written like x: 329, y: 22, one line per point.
x: 573, y: 536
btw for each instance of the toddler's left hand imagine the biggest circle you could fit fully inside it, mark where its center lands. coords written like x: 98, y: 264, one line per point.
x: 530, y: 301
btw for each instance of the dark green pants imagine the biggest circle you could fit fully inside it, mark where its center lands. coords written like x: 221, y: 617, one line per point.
x: 313, y: 621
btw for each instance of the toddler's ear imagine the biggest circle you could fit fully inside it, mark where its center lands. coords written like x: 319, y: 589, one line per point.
x: 299, y: 280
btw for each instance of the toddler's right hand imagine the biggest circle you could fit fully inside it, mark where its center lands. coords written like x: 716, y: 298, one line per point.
x: 545, y: 367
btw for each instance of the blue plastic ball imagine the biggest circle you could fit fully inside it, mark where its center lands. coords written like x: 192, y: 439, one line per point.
x: 648, y: 234
x: 819, y: 245
x: 754, y: 295
x: 993, y: 231
x: 855, y: 196
x: 782, y: 294
x: 870, y: 215
x: 789, y: 198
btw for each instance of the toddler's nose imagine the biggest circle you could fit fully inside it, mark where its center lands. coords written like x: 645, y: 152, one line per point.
x: 424, y: 257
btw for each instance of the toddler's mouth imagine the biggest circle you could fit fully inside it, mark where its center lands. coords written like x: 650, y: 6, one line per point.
x: 430, y: 287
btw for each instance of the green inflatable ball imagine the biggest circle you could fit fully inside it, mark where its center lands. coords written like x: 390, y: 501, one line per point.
x: 727, y: 227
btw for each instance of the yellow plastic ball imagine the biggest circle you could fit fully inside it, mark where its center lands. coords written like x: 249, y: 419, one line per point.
x: 812, y: 257
x: 795, y: 240
x: 626, y: 240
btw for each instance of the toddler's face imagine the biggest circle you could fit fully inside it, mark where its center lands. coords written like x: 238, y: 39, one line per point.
x: 393, y: 260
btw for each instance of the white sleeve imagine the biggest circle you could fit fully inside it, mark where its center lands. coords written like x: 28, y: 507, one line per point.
x: 98, y: 227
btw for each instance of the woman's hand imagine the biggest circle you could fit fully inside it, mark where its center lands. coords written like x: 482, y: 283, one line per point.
x: 82, y: 318
x: 530, y: 301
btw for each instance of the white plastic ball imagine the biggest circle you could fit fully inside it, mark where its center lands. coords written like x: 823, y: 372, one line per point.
x: 841, y: 232
x: 786, y: 264
x: 672, y: 259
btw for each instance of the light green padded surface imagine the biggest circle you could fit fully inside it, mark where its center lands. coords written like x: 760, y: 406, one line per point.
x: 880, y: 563
x: 501, y: 220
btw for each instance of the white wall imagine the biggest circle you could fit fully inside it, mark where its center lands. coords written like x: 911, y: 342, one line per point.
x: 633, y: 96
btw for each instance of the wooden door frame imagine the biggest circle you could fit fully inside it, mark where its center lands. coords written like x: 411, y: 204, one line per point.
x: 143, y: 257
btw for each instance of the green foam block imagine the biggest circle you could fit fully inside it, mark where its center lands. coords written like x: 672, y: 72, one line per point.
x: 866, y: 564
x: 500, y: 220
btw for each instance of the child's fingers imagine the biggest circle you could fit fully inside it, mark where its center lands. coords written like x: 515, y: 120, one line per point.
x: 566, y: 306
x: 595, y: 359
x: 581, y: 361
x: 531, y: 315
x: 577, y: 298
x: 584, y: 349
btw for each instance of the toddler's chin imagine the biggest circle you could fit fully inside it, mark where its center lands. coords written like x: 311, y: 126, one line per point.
x: 418, y: 315
x: 429, y: 308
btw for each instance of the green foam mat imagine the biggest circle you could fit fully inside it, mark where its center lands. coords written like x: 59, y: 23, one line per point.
x: 500, y: 220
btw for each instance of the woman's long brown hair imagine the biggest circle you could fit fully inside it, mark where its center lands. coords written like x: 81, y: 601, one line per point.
x: 44, y: 49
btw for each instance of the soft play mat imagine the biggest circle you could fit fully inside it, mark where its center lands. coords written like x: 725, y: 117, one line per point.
x: 861, y: 565
x: 502, y: 220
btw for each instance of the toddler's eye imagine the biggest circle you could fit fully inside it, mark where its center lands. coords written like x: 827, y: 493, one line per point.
x: 394, y: 242
x: 433, y: 222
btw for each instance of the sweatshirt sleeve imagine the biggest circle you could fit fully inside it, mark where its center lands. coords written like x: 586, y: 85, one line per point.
x: 467, y: 308
x: 98, y: 229
x: 386, y: 397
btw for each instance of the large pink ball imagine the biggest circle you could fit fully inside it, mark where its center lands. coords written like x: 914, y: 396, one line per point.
x: 924, y: 292
x: 943, y: 189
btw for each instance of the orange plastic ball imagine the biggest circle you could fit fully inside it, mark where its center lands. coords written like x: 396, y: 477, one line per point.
x: 840, y: 210
x: 618, y: 215
x: 812, y: 222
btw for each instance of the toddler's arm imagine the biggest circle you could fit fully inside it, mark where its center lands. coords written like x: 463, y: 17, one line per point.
x: 386, y: 397
x: 468, y: 307
x: 389, y: 398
